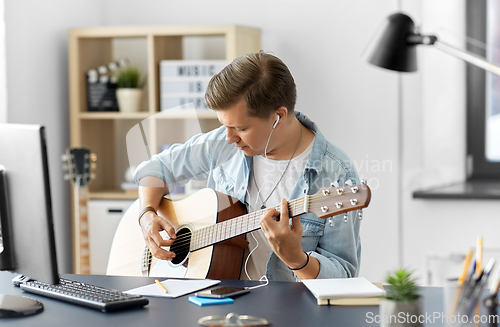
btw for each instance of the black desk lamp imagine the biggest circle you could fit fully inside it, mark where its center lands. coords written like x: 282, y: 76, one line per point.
x: 395, y: 47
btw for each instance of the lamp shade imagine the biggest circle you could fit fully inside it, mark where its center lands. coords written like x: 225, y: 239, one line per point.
x: 391, y: 48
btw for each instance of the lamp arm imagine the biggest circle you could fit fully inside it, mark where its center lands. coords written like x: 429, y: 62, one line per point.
x: 467, y: 56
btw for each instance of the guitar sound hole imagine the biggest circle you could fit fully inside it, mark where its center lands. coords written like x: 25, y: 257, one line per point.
x: 181, y: 245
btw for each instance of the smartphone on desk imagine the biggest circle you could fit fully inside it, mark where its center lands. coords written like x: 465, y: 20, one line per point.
x: 221, y: 292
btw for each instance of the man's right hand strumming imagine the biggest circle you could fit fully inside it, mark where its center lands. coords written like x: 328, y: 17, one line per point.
x: 151, y: 191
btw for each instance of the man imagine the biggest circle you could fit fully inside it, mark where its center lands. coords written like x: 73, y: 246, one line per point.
x: 270, y: 153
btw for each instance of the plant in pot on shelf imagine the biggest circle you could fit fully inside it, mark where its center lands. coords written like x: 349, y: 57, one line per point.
x: 129, y: 92
x: 401, y: 306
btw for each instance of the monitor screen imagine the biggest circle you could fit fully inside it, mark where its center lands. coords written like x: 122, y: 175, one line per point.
x: 28, y: 243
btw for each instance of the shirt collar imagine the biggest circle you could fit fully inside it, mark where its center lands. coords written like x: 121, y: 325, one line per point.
x: 315, y: 161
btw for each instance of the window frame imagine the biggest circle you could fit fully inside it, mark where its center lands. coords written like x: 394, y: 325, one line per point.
x: 478, y: 167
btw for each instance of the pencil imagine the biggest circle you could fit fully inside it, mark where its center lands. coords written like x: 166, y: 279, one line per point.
x: 160, y: 285
x: 468, y: 258
x: 479, y: 256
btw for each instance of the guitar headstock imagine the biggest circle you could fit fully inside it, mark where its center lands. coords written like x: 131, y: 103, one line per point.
x: 331, y: 201
x: 79, y: 164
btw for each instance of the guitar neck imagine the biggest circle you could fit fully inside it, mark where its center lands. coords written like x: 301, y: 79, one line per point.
x: 82, y: 255
x: 225, y: 230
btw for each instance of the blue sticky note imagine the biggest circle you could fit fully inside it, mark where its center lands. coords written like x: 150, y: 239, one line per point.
x: 202, y: 301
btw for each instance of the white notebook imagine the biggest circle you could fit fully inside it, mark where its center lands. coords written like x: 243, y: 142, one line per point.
x: 340, y: 288
x: 175, y: 287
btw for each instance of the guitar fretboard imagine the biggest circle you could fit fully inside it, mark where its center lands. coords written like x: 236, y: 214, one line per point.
x: 82, y: 253
x: 225, y: 230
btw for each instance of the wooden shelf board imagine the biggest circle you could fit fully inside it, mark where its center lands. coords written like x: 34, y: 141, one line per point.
x: 179, y: 114
x: 113, y: 195
x: 144, y: 31
x: 121, y: 195
x: 174, y: 114
x: 114, y: 115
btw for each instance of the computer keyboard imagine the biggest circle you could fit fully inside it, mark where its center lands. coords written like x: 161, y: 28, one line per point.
x: 91, y: 296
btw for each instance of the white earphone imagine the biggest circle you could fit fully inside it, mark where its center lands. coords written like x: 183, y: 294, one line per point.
x: 277, y: 120
x: 272, y: 130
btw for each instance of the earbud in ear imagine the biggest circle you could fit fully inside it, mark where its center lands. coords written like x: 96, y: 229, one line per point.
x: 277, y: 120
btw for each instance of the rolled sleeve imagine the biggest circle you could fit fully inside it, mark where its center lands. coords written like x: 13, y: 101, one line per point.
x: 341, y: 260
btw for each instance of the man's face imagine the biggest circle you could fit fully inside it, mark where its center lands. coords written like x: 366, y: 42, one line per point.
x: 249, y: 134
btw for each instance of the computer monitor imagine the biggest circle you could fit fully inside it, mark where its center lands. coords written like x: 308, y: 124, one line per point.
x: 26, y: 229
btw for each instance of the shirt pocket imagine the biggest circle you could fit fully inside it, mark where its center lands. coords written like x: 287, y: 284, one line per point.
x: 223, y: 182
x: 313, y: 229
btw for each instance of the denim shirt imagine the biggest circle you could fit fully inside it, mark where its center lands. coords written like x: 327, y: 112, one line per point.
x: 226, y: 169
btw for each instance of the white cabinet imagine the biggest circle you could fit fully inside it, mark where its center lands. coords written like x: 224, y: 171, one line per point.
x: 104, y: 216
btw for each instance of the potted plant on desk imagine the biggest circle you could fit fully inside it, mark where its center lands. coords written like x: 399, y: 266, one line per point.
x: 128, y: 92
x: 401, y: 306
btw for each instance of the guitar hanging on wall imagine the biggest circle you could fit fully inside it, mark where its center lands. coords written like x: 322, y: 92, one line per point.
x: 210, y: 228
x: 79, y: 163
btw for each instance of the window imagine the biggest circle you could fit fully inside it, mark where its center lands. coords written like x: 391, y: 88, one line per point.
x: 483, y: 91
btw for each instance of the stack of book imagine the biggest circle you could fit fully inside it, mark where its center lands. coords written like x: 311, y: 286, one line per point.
x: 185, y: 81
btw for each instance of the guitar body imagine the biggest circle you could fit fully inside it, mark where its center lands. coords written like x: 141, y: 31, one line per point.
x: 202, y: 209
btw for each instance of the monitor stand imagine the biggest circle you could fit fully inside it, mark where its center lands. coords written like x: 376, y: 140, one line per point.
x: 18, y: 306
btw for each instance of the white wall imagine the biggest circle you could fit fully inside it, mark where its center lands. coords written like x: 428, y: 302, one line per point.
x: 354, y: 104
x: 435, y: 147
x: 3, y: 75
x: 37, y: 79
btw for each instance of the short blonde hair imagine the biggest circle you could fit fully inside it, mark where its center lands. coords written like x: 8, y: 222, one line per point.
x: 261, y: 79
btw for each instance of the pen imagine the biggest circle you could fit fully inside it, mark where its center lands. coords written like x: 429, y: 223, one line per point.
x: 461, y: 287
x: 479, y: 283
x: 160, y: 285
x: 496, y: 285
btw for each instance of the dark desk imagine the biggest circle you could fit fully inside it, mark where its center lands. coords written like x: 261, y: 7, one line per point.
x: 282, y: 304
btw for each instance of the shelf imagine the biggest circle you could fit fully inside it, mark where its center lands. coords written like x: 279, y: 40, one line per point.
x: 121, y: 195
x: 179, y: 114
x: 174, y: 114
x: 113, y: 195
x: 113, y: 115
x: 144, y: 31
x: 474, y: 189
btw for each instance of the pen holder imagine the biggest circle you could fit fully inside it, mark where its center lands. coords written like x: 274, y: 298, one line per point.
x: 491, y: 305
x: 462, y: 309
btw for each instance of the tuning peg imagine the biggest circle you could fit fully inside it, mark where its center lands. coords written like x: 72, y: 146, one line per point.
x: 92, y: 176
x: 64, y: 166
x: 363, y: 181
x: 330, y: 221
x: 93, y: 157
x: 66, y: 177
x: 93, y: 165
x: 345, y: 217
x: 64, y: 157
x: 360, y: 214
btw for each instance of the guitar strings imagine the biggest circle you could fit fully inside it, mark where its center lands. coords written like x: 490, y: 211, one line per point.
x: 294, y: 205
x: 235, y: 227
x: 186, y: 240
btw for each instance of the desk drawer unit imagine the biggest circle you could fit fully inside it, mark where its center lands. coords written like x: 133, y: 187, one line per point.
x: 103, y: 218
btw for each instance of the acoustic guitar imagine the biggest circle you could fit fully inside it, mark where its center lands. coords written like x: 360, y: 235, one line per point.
x: 79, y: 162
x: 210, y: 229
